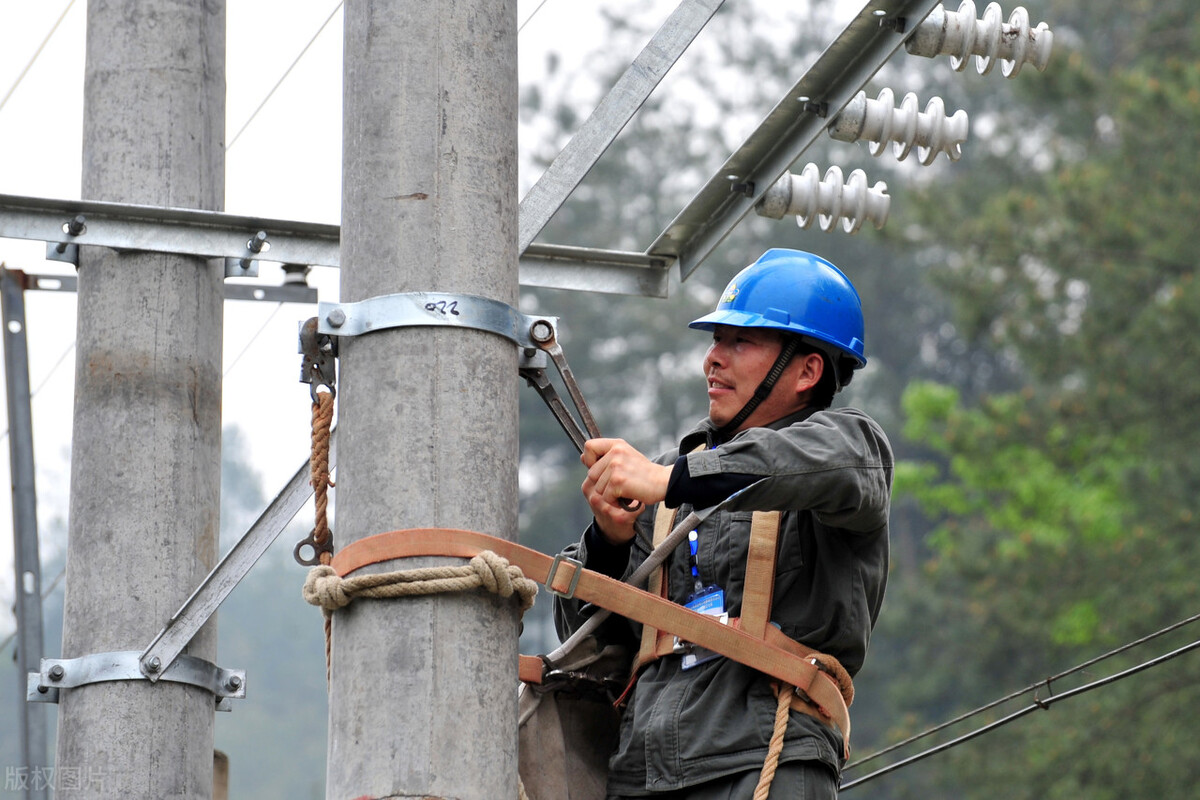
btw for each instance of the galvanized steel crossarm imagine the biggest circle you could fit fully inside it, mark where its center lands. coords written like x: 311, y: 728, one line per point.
x: 183, y: 231
x: 213, y: 234
x: 870, y: 39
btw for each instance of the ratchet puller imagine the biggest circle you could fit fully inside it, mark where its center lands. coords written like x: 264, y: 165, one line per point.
x: 543, y: 334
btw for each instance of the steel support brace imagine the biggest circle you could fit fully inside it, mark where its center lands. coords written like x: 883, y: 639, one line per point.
x: 791, y: 127
x: 236, y: 563
x: 416, y: 309
x: 123, y: 665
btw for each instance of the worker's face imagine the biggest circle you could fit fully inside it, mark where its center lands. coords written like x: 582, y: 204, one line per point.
x: 735, y: 364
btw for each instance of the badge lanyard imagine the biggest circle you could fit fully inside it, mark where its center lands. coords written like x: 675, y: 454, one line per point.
x: 705, y: 600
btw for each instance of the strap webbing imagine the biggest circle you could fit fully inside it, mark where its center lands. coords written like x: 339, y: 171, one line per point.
x: 651, y: 648
x: 759, y: 591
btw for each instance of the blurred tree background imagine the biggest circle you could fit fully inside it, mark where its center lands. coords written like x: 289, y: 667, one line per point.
x: 1032, y: 317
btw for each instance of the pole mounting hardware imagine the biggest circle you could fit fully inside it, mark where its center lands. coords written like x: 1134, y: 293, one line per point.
x: 124, y: 665
x: 318, y: 367
x: 417, y: 309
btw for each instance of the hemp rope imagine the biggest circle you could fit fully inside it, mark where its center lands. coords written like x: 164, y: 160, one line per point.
x: 325, y: 588
x: 322, y: 422
x: 763, y: 789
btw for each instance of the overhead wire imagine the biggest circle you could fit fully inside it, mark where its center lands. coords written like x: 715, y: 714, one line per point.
x: 45, y: 380
x: 253, y: 339
x: 1037, y: 704
x: 533, y: 14
x: 1031, y: 688
x: 36, y: 54
x: 285, y: 74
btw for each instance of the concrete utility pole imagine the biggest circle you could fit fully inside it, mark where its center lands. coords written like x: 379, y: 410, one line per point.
x: 423, y: 693
x: 145, y: 469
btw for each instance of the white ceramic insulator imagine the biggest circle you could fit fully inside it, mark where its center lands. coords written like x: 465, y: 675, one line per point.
x: 829, y: 200
x: 960, y: 35
x: 880, y: 123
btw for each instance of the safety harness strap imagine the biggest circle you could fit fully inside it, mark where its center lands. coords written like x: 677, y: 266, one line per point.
x: 758, y: 594
x: 656, y: 643
x: 568, y: 578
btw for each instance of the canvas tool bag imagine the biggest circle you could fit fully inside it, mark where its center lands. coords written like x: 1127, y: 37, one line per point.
x: 568, y: 722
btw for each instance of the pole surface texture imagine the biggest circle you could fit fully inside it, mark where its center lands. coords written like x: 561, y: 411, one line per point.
x: 423, y: 690
x: 146, y: 443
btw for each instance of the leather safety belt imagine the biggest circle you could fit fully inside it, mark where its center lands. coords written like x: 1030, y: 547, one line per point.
x: 773, y: 654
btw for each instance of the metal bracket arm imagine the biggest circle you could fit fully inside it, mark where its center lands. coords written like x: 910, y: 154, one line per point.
x: 123, y: 665
x: 414, y: 309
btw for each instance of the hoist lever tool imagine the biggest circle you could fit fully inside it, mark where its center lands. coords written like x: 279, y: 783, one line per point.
x: 543, y: 334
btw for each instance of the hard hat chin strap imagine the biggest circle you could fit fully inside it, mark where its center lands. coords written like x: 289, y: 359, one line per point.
x: 764, y: 389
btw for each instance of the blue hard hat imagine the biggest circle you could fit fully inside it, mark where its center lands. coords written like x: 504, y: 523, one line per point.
x: 794, y: 292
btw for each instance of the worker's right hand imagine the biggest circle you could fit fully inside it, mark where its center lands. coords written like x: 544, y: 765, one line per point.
x: 617, y: 474
x: 614, y: 522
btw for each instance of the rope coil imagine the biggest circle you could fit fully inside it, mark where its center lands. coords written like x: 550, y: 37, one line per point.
x: 325, y: 588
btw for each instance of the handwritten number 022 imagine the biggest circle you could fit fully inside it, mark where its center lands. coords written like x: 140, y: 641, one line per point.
x: 443, y: 307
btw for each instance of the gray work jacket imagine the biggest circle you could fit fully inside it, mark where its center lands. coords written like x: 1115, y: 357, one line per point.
x: 830, y: 473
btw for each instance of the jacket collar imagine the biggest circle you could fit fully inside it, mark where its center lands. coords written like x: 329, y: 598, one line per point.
x: 705, y: 433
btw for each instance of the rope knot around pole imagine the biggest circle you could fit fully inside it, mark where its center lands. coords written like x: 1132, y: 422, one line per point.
x: 323, y: 588
x: 326, y: 589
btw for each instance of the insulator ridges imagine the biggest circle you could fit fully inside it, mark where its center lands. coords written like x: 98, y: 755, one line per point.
x: 960, y: 35
x: 931, y: 131
x: 828, y: 200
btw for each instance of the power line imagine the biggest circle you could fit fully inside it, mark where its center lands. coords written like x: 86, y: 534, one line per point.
x: 45, y: 380
x: 1037, y: 704
x: 1031, y: 688
x: 253, y: 339
x: 36, y: 54
x: 311, y: 41
x: 287, y: 72
x: 521, y: 27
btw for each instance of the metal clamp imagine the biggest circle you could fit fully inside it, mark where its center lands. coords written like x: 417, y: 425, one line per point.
x: 123, y: 665
x: 569, y: 592
x: 416, y: 309
x: 318, y: 366
x: 317, y: 549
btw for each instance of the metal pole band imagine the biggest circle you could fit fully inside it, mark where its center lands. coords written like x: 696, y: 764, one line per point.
x: 123, y: 665
x: 413, y: 309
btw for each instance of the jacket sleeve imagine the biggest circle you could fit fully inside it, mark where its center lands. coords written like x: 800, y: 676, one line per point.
x: 836, y: 463
x: 614, y: 561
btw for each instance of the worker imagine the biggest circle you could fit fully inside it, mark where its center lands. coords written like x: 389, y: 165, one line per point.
x: 787, y: 334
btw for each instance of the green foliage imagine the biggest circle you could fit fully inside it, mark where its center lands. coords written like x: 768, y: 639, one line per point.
x: 1062, y: 508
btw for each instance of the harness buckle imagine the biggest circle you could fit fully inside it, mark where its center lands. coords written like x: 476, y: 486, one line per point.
x: 569, y: 592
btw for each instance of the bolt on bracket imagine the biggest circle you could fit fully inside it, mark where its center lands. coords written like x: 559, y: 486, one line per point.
x: 123, y: 665
x: 416, y: 309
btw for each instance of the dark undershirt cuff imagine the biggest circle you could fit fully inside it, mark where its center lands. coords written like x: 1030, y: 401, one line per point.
x: 603, y: 556
x: 704, y: 491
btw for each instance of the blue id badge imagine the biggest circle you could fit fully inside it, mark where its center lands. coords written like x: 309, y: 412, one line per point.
x: 711, y: 601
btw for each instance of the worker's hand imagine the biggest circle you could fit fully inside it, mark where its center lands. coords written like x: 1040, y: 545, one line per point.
x: 617, y: 471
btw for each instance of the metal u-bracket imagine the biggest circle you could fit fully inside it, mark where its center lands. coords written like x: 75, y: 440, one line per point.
x: 123, y: 665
